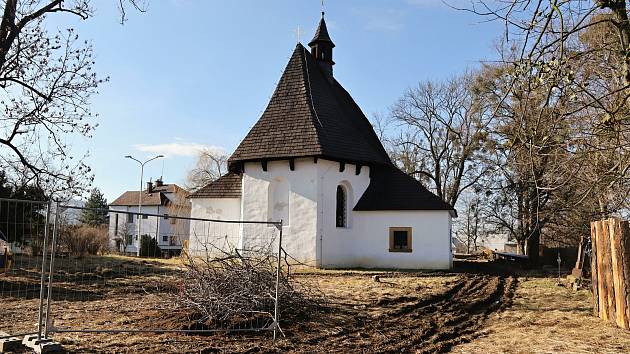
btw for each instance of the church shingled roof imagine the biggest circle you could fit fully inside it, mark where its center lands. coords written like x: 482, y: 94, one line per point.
x: 310, y: 114
x: 392, y: 189
x: 227, y: 186
x: 322, y: 33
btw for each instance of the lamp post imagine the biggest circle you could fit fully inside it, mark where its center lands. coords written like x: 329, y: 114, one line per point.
x: 140, y: 195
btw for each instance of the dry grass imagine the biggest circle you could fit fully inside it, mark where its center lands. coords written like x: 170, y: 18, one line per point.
x: 548, y: 318
x: 403, y: 312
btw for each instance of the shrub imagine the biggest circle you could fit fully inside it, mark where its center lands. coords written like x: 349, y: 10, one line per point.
x: 149, y: 247
x: 82, y: 240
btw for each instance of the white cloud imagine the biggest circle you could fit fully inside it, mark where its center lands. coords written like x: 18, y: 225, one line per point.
x: 177, y: 148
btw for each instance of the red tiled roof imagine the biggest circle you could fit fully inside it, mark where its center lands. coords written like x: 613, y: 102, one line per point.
x: 156, y: 197
x: 131, y: 198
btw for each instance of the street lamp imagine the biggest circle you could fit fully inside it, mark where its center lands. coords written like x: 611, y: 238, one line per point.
x: 140, y: 194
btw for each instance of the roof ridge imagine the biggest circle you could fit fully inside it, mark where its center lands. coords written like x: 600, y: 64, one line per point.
x: 305, y: 54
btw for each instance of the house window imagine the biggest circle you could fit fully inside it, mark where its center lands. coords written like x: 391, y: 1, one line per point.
x: 145, y: 216
x: 342, y: 202
x: 130, y: 218
x: 164, y: 238
x: 400, y: 239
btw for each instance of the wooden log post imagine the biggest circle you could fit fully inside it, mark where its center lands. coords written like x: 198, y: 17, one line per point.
x: 618, y: 272
x: 624, y: 228
x: 608, y: 268
x: 601, y: 273
x: 610, y: 260
x: 594, y: 270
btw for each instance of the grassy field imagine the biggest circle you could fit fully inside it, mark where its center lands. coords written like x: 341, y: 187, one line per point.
x: 463, y: 312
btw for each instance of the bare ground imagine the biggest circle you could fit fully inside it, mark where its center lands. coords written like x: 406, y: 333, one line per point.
x: 403, y: 312
x: 546, y: 317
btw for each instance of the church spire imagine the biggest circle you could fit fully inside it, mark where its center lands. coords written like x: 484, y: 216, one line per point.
x: 322, y: 47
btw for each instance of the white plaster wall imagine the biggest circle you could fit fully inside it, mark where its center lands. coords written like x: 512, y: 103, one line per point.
x: 355, y: 185
x: 214, y: 236
x: 367, y: 245
x: 299, y: 232
x: 310, y: 234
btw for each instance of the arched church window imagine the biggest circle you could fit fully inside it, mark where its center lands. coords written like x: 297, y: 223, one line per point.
x: 342, y: 202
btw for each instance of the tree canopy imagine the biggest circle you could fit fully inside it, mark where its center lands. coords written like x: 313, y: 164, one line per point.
x: 95, y: 213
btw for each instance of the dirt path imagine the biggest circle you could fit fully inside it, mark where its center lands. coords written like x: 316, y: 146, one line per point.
x: 411, y: 322
x: 403, y: 312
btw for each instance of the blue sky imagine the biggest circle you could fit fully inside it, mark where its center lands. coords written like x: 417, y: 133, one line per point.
x: 193, y: 73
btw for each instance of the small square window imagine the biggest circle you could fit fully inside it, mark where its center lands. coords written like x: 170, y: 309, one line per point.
x: 164, y: 238
x: 145, y: 216
x: 130, y: 218
x: 400, y: 239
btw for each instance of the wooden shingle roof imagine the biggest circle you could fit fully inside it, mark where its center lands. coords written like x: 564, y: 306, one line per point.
x: 227, y: 186
x: 392, y: 189
x: 311, y: 114
x: 321, y: 35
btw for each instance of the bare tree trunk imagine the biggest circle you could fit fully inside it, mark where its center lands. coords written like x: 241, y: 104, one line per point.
x: 533, y: 247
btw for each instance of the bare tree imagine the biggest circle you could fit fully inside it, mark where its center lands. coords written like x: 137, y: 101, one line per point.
x: 46, y: 81
x: 576, y: 54
x: 472, y: 228
x: 442, y: 134
x: 532, y: 145
x: 211, y: 164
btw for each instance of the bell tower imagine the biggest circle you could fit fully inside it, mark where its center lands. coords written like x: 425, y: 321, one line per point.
x: 322, y: 48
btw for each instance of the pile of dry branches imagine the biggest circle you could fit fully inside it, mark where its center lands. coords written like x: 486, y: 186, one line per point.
x: 239, y: 286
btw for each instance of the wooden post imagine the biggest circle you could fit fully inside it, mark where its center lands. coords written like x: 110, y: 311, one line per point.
x: 601, y: 278
x: 594, y: 270
x: 618, y: 272
x: 624, y: 230
x: 611, y: 270
x: 578, y: 261
x: 610, y: 285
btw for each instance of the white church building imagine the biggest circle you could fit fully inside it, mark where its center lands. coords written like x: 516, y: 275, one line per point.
x: 314, y: 161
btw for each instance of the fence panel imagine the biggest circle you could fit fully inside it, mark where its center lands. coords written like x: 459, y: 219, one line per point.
x: 24, y: 246
x: 205, y: 289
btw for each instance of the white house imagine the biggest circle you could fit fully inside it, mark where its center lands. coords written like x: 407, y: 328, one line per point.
x: 159, y: 199
x: 314, y: 161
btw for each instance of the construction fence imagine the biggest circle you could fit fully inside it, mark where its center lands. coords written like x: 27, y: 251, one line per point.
x: 57, y: 276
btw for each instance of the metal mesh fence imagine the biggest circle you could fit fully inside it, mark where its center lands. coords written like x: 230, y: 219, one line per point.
x: 24, y: 232
x: 194, y: 275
